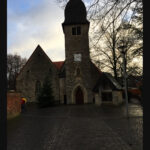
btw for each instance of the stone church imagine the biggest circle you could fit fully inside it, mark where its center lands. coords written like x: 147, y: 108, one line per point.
x: 76, y: 80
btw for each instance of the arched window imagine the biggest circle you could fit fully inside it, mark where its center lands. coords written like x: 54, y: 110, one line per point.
x: 37, y: 87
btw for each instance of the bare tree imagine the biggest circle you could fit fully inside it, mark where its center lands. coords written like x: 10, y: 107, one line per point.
x: 109, y: 52
x: 62, y: 3
x: 138, y: 29
x: 14, y: 65
x: 99, y: 10
x: 106, y: 18
x: 107, y: 55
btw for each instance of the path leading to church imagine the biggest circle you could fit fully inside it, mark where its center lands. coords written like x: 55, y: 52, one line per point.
x: 76, y: 127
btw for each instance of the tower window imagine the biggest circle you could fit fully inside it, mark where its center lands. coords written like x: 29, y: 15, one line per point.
x: 37, y: 88
x: 73, y: 31
x: 76, y: 30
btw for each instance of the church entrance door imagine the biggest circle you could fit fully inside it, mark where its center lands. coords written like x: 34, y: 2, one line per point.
x: 79, y: 96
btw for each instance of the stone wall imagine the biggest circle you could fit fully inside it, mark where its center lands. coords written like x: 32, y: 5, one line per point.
x: 98, y: 100
x: 13, y: 104
x: 62, y: 89
x: 78, y: 44
x: 117, y: 97
x: 37, y: 68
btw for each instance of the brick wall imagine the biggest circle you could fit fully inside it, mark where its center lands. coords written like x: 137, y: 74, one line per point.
x: 13, y: 104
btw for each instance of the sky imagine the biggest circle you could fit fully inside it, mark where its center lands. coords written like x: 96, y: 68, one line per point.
x: 33, y: 22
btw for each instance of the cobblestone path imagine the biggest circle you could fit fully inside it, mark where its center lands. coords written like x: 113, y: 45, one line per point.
x: 72, y: 127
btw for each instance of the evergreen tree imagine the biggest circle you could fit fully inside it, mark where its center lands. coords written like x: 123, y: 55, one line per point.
x: 45, y: 97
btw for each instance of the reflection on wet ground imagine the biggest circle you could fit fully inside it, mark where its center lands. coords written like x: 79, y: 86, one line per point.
x: 135, y: 110
x: 77, y: 127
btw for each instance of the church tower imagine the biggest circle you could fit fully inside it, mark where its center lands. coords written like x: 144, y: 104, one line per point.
x: 78, y: 63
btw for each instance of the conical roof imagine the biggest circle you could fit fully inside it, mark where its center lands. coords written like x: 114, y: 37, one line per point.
x: 75, y: 13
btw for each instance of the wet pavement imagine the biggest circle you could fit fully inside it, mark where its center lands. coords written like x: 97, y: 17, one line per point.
x: 77, y: 127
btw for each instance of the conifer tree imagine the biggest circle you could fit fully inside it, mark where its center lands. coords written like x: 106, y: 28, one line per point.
x: 45, y: 97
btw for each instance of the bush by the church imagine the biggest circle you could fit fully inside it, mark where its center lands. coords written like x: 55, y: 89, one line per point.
x: 45, y: 97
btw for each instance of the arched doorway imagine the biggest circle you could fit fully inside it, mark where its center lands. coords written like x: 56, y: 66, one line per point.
x: 79, y: 97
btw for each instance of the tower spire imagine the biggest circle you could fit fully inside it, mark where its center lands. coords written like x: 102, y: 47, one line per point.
x: 75, y: 13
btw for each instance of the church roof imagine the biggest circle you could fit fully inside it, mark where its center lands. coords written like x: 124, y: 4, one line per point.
x: 107, y: 76
x: 98, y: 69
x: 40, y: 51
x: 75, y: 13
x: 113, y: 80
x: 58, y: 64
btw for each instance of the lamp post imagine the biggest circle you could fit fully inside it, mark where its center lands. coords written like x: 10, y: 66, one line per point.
x: 122, y: 48
x: 125, y: 77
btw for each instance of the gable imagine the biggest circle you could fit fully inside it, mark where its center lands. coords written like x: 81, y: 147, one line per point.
x: 38, y: 62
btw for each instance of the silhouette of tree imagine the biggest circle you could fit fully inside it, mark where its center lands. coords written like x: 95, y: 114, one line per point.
x: 45, y: 97
x: 14, y: 65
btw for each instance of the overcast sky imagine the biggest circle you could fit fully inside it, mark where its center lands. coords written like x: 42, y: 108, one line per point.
x: 33, y: 22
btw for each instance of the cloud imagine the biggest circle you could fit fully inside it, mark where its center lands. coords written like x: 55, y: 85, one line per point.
x: 39, y: 24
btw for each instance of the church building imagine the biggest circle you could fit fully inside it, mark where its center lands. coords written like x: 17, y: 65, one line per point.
x: 76, y: 80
